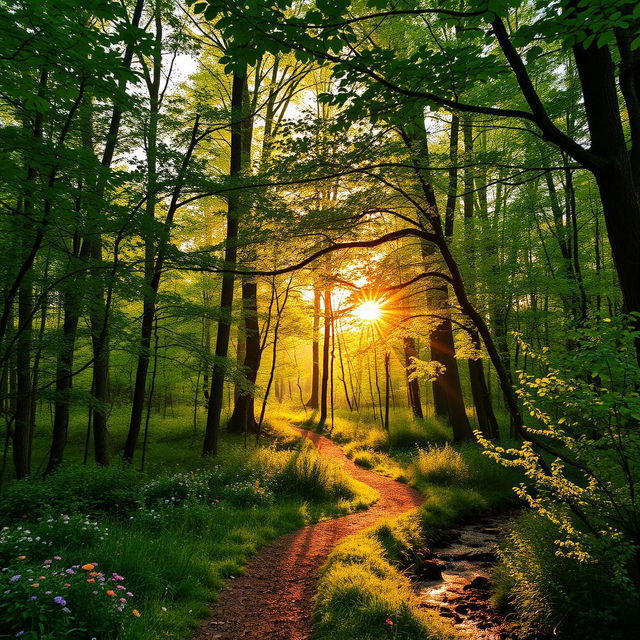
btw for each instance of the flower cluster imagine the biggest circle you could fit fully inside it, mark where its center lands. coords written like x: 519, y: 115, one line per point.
x: 208, y: 486
x: 38, y: 539
x: 246, y: 493
x: 52, y: 599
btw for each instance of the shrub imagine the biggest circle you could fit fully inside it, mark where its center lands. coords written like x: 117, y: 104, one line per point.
x: 553, y: 594
x: 87, y: 489
x: 37, y: 540
x: 440, y: 465
x: 54, y: 600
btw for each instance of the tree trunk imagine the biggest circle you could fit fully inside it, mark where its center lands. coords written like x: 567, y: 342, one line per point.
x: 413, y: 386
x: 618, y: 186
x: 315, y: 351
x: 326, y: 345
x: 210, y: 445
x: 243, y: 417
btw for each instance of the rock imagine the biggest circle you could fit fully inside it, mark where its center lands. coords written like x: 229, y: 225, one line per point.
x: 480, y: 582
x: 429, y: 569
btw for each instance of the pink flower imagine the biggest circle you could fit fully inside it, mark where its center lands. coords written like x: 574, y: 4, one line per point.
x: 389, y: 621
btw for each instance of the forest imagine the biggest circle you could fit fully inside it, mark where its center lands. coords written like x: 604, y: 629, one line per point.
x: 320, y: 319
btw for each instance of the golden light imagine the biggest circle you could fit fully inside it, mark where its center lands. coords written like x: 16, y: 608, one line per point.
x: 369, y: 310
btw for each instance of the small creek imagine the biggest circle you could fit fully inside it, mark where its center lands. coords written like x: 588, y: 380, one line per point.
x: 463, y: 592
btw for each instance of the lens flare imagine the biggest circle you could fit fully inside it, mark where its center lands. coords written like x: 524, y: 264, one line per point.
x: 369, y: 310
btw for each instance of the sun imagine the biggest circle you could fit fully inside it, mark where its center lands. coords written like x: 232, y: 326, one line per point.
x: 369, y: 310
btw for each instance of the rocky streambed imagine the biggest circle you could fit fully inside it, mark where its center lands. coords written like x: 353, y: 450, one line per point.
x: 455, y: 579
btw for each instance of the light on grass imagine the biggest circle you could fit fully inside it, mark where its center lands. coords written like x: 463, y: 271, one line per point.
x: 369, y: 310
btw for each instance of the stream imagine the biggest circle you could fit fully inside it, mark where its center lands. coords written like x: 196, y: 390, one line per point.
x: 456, y: 579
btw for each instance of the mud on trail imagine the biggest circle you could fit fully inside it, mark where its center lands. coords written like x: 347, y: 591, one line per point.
x: 272, y: 600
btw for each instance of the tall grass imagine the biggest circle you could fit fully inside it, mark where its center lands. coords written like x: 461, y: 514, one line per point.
x: 176, y: 557
x: 361, y: 592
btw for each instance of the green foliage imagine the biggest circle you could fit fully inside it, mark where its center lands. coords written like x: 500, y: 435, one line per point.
x: 75, y: 488
x: 553, y: 594
x: 585, y: 409
x: 60, y: 600
x: 39, y: 540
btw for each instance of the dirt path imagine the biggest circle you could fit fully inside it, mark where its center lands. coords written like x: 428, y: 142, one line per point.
x: 272, y: 600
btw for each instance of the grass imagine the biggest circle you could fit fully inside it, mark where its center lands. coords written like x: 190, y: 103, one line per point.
x: 363, y: 593
x: 363, y: 590
x: 177, y: 557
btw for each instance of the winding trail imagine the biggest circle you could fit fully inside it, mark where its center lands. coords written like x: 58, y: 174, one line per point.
x: 272, y: 600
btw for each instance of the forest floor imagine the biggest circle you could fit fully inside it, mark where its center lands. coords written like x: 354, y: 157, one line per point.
x: 273, y: 599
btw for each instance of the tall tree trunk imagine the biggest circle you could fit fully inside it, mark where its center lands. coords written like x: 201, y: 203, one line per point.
x: 617, y: 178
x: 315, y: 350
x: 243, y: 417
x: 153, y: 80
x: 326, y: 346
x: 487, y: 422
x: 387, y: 381
x: 413, y: 386
x: 210, y: 445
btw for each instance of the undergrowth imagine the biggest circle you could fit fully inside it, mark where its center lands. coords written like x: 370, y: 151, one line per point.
x: 176, y: 533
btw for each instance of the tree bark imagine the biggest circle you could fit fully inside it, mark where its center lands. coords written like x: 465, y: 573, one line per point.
x: 326, y: 345
x: 210, y: 445
x: 315, y: 351
x: 243, y: 418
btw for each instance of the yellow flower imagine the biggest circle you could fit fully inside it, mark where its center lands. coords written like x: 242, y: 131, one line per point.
x: 136, y: 613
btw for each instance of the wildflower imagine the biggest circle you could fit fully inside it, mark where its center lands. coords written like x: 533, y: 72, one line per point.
x: 110, y: 592
x: 123, y: 600
x: 35, y: 584
x: 389, y: 621
x: 136, y: 613
x: 93, y: 574
x: 69, y: 571
x: 66, y: 609
x: 33, y: 598
x: 60, y: 600
x: 15, y: 578
x: 22, y: 557
x: 19, y: 634
x: 88, y: 566
x: 91, y: 579
x: 117, y: 577
x: 57, y: 557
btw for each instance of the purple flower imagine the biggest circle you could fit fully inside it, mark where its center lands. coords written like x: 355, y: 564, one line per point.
x: 15, y: 578
x: 60, y: 600
x: 117, y: 577
x: 69, y: 571
x: 33, y: 598
x: 19, y: 634
x: 57, y: 557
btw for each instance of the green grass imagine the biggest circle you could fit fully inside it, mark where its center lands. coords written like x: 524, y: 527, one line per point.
x: 364, y: 582
x: 363, y: 593
x: 177, y: 559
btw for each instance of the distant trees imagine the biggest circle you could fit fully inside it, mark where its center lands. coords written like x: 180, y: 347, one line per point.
x: 147, y: 208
